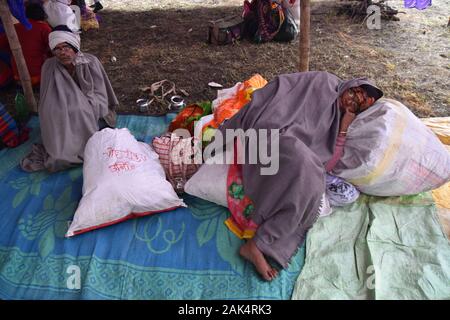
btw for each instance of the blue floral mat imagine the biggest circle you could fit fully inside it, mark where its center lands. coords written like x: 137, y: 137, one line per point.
x: 187, y: 253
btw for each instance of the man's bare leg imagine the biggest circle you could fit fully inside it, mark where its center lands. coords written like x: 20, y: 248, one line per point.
x: 250, y: 251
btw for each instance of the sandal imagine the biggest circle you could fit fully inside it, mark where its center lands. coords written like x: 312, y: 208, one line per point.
x: 158, y: 103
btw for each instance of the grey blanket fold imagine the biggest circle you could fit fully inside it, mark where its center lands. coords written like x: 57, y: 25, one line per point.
x: 69, y: 112
x: 304, y: 106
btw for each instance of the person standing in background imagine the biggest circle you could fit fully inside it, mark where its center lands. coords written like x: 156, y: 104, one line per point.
x: 97, y: 6
x: 60, y: 13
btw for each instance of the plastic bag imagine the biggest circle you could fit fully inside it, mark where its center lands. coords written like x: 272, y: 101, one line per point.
x: 289, y: 28
x: 390, y: 152
x: 22, y: 110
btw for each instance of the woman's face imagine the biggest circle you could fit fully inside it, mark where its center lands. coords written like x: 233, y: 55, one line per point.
x: 65, y: 54
x: 356, y: 100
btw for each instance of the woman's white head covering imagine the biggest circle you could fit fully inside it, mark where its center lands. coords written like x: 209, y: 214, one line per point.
x: 57, y: 37
x: 59, y: 13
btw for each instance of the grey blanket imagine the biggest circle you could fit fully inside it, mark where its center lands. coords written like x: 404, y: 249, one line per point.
x: 304, y: 106
x: 69, y: 112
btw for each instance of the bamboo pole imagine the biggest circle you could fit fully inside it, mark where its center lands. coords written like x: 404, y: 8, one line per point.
x: 16, y: 49
x: 305, y: 18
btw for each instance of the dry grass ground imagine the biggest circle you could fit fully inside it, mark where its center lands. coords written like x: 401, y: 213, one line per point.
x: 165, y: 39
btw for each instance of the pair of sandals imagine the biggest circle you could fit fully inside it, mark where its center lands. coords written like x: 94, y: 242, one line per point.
x: 160, y: 94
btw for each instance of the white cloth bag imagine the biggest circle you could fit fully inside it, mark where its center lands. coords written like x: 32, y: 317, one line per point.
x: 122, y: 179
x: 390, y: 152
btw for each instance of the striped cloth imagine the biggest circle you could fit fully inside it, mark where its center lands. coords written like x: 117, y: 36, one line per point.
x: 270, y: 19
x: 9, y: 132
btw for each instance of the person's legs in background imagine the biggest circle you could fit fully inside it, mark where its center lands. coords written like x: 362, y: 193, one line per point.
x: 97, y: 6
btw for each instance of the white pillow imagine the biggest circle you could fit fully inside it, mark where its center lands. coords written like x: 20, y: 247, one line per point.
x: 209, y: 183
x: 122, y: 179
x: 390, y: 152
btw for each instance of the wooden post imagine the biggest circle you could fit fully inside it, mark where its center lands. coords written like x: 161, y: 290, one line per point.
x: 305, y: 17
x: 16, y: 49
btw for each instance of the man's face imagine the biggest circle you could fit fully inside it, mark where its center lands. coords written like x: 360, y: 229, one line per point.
x: 356, y: 100
x: 64, y: 53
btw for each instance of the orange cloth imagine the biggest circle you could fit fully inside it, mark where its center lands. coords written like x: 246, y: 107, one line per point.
x: 185, y: 118
x: 229, y: 107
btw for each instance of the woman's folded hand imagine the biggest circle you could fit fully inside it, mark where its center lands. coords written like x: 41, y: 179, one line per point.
x: 346, y: 120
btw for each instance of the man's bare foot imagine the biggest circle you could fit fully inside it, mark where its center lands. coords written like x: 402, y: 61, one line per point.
x: 250, y: 251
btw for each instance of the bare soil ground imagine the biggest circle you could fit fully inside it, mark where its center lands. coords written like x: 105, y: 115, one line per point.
x: 166, y: 39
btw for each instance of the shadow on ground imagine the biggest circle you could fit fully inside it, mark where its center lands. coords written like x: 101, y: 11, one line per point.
x: 166, y: 41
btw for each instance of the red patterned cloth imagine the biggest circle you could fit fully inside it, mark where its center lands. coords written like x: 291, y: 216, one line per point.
x: 241, y: 206
x: 10, y: 134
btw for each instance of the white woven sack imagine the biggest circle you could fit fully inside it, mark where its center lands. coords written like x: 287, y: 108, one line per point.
x: 390, y: 152
x: 122, y: 179
x: 209, y: 183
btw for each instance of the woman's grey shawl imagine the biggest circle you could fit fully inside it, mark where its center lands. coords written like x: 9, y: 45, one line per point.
x: 304, y: 107
x: 69, y: 113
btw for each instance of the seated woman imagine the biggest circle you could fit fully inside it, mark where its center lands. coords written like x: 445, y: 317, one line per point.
x: 310, y: 110
x: 34, y: 42
x: 76, y: 100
